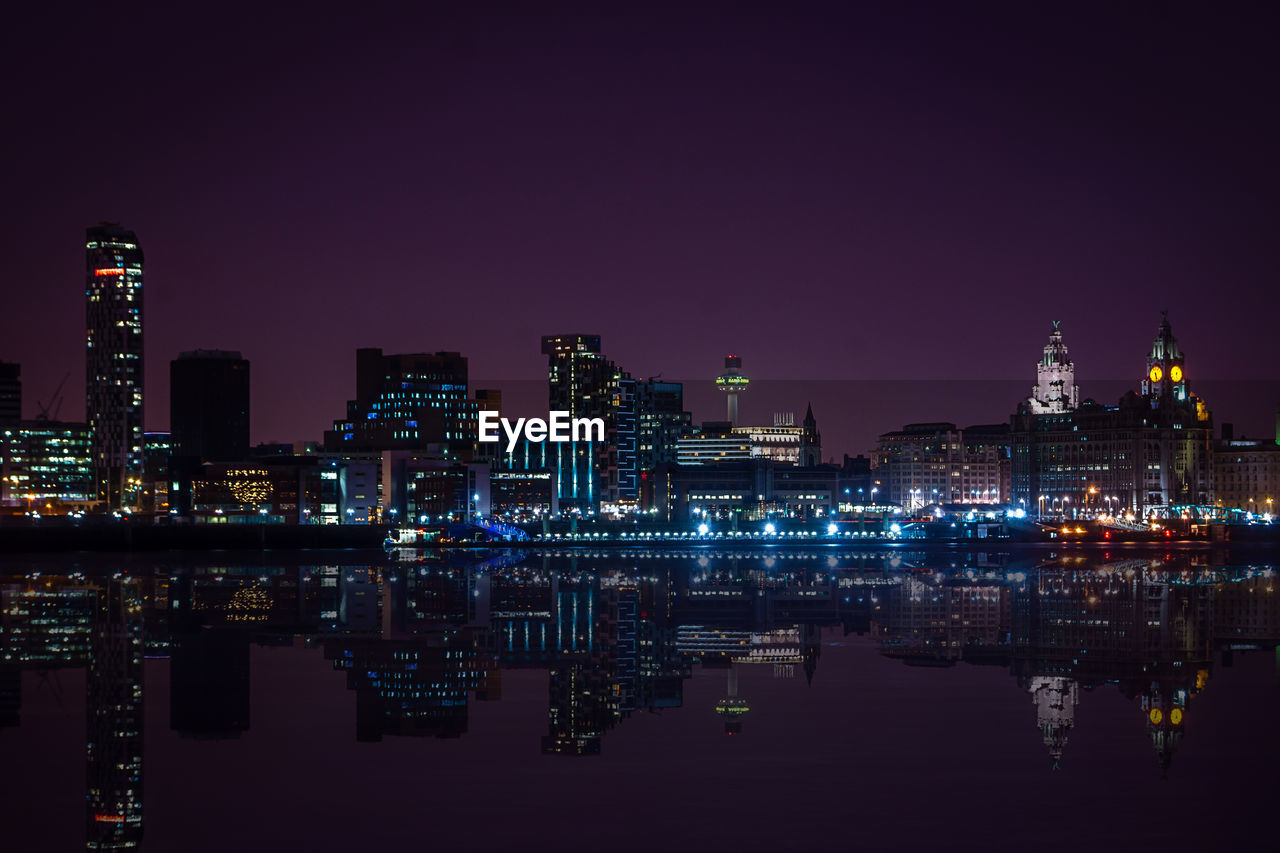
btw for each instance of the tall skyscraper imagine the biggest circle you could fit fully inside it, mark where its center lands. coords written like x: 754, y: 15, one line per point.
x: 582, y: 382
x: 113, y: 362
x: 10, y: 392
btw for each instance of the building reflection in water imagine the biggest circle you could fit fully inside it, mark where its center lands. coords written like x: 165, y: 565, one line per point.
x: 419, y: 641
x: 113, y: 712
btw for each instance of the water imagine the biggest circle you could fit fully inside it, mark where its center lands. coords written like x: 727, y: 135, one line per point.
x: 639, y: 700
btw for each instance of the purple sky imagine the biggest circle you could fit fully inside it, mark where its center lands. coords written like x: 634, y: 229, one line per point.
x: 832, y: 194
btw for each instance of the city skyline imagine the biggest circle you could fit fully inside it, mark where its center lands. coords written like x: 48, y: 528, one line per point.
x: 777, y: 183
x: 788, y: 396
x: 735, y: 424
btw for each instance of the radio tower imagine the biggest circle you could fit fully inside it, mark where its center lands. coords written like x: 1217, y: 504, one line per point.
x: 733, y: 383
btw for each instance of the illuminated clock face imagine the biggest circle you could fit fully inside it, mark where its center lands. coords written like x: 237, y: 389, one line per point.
x: 1175, y: 716
x: 1156, y: 715
x: 1156, y: 374
x: 1175, y: 373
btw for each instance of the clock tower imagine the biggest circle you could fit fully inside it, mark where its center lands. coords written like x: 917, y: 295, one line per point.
x: 1166, y: 373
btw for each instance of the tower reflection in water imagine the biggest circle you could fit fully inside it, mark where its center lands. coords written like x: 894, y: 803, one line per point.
x: 419, y: 642
x: 113, y: 712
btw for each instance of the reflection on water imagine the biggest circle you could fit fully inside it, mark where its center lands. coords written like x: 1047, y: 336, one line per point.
x: 618, y: 633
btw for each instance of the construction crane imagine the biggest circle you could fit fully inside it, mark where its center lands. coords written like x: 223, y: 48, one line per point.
x: 55, y: 401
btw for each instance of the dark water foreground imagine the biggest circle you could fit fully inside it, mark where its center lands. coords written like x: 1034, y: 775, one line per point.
x: 640, y: 700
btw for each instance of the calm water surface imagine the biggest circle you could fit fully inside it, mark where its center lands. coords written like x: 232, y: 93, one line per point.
x: 639, y: 700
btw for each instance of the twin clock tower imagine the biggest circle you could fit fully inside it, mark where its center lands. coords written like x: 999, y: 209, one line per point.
x: 1166, y: 373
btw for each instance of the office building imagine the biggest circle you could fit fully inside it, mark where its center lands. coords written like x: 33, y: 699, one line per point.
x: 284, y: 490
x: 927, y: 464
x: 209, y: 406
x: 208, y: 414
x: 1246, y: 473
x: 416, y: 487
x: 46, y: 465
x: 720, y: 441
x: 662, y: 420
x: 157, y: 451
x: 414, y: 401
x: 582, y: 382
x: 114, y: 375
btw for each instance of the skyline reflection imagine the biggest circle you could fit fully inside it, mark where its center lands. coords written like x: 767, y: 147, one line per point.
x: 419, y: 642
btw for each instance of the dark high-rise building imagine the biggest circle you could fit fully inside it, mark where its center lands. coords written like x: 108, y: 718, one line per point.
x: 209, y: 406
x: 415, y: 401
x: 662, y: 421
x: 648, y: 422
x: 10, y: 392
x: 208, y: 415
x: 114, y: 362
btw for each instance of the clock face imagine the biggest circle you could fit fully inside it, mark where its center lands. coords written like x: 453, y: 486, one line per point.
x: 1156, y: 374
x: 1156, y: 716
x: 1175, y: 716
x: 1175, y: 373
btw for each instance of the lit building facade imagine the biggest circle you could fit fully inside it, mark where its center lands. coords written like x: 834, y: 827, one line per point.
x: 157, y: 451
x: 582, y: 382
x: 1152, y: 451
x: 263, y: 491
x: 46, y: 465
x: 662, y: 420
x: 934, y: 463
x: 416, y: 401
x: 1246, y: 474
x: 783, y: 442
x: 114, y: 374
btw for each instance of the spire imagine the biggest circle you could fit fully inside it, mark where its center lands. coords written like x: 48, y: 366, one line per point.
x: 810, y: 440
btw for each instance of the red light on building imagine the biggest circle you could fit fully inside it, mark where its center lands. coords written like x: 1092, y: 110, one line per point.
x: 108, y: 818
x: 109, y: 271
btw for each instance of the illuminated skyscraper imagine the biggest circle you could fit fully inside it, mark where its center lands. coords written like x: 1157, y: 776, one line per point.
x: 113, y: 362
x: 582, y: 382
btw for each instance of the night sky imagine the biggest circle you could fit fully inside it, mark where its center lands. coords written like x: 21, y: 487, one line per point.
x: 891, y: 192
